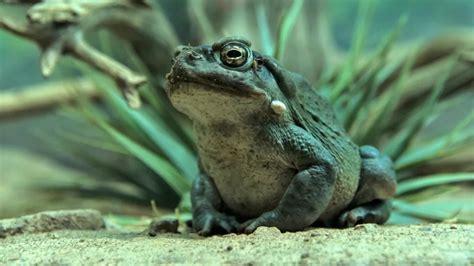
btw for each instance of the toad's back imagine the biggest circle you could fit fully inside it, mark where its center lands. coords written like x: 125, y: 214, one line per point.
x: 315, y: 114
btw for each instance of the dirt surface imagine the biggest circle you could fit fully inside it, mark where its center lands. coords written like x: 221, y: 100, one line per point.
x: 434, y: 244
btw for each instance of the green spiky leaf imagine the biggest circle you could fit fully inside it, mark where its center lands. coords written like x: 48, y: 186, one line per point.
x: 347, y: 73
x: 264, y: 29
x: 422, y: 212
x: 286, y: 26
x: 176, y: 181
x: 412, y: 126
x: 434, y: 180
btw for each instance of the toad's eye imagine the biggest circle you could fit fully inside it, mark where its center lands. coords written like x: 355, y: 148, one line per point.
x: 234, y: 55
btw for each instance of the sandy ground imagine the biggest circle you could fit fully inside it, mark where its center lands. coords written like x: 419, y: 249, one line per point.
x: 434, y: 244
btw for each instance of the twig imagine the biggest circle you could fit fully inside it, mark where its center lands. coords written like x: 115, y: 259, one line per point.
x: 124, y: 77
x: 40, y: 98
x: 57, y: 39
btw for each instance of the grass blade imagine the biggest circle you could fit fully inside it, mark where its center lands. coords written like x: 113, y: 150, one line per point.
x: 433, y: 180
x: 185, y: 203
x: 146, y: 128
x: 441, y: 147
x: 437, y: 149
x: 286, y: 26
x: 160, y: 166
x: 423, y: 213
x: 347, y: 73
x: 264, y: 29
x: 176, y: 181
x: 374, y: 74
x: 386, y: 45
x: 196, y: 10
x: 91, y: 142
x: 446, y: 191
x: 161, y: 136
x: 384, y: 106
x: 411, y: 127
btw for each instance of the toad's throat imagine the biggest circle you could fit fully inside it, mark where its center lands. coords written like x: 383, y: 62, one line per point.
x: 210, y: 104
x: 215, y: 89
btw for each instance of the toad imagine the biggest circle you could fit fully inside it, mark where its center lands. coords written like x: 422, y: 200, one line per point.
x: 271, y: 151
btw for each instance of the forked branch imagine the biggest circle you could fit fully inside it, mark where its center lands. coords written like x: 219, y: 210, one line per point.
x: 56, y: 27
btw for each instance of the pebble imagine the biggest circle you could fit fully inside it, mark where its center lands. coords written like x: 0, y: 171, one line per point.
x: 163, y: 226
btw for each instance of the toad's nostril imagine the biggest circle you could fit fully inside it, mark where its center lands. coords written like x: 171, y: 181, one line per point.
x: 194, y: 55
x: 178, y: 50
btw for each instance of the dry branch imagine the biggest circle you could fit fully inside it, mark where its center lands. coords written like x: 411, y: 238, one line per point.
x: 58, y: 28
x: 44, y: 97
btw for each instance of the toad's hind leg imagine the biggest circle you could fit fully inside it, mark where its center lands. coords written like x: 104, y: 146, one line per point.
x: 377, y: 184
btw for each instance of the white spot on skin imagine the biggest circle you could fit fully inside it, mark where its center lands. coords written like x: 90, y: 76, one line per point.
x: 278, y: 107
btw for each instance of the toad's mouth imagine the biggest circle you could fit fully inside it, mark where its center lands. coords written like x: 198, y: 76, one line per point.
x: 180, y: 77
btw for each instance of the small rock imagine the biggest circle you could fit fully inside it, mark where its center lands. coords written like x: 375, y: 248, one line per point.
x: 52, y: 220
x: 14, y: 258
x: 228, y: 248
x: 451, y: 227
x: 163, y: 226
x: 263, y: 230
x: 366, y: 227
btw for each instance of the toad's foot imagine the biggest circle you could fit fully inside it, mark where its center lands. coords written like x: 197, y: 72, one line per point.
x: 376, y: 211
x: 213, y: 222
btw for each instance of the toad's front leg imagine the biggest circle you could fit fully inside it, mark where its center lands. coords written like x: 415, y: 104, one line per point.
x: 206, y: 203
x: 310, y: 191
